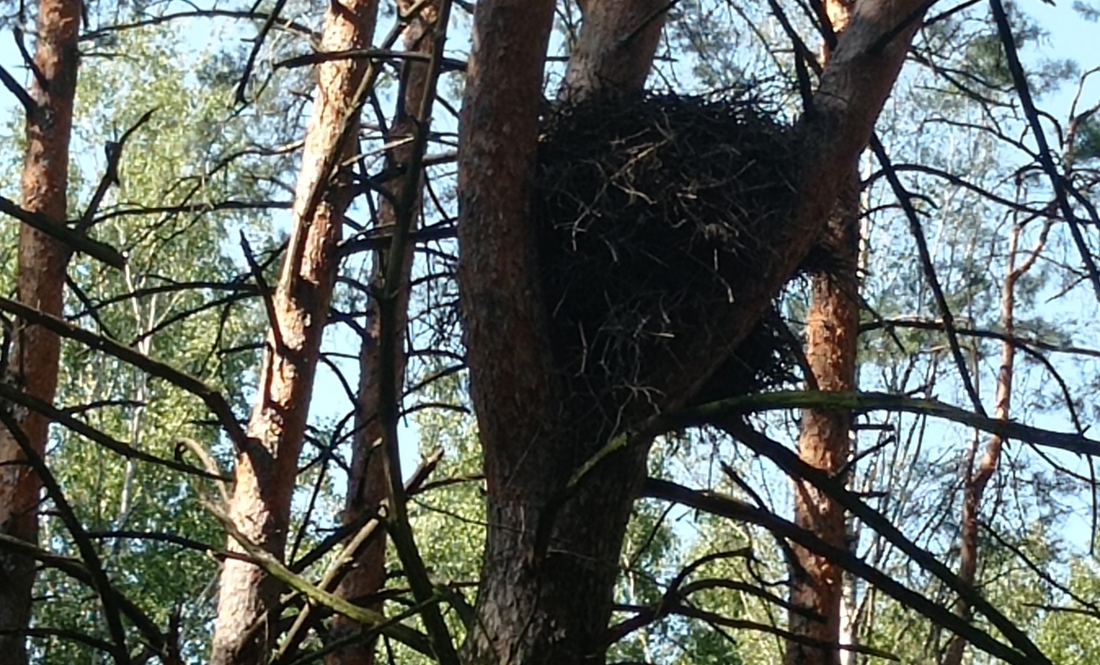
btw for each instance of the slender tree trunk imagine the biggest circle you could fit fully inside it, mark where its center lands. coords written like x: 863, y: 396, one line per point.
x: 978, y: 477
x: 367, y: 481
x: 266, y: 470
x: 546, y: 586
x: 42, y: 261
x: 832, y: 330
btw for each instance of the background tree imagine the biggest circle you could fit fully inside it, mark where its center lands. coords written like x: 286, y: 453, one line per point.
x: 42, y: 259
x: 662, y: 534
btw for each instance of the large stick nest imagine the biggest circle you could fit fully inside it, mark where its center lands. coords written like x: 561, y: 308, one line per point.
x: 648, y: 213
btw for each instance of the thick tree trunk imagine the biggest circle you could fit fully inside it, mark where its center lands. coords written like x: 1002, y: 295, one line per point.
x: 367, y: 481
x: 546, y: 587
x: 539, y: 602
x: 832, y: 330
x: 42, y: 261
x: 266, y: 471
x: 516, y: 394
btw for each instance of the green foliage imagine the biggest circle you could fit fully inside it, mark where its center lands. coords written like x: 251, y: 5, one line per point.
x: 1067, y: 633
x: 186, y: 300
x: 1088, y: 139
x: 167, y: 162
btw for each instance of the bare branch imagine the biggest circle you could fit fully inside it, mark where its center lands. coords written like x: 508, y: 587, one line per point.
x: 211, y: 397
x: 74, y: 239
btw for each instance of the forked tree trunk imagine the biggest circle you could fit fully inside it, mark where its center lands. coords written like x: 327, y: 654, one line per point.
x: 266, y: 470
x: 42, y: 261
x: 536, y: 604
x: 367, y: 481
x: 548, y: 601
x: 832, y: 330
x: 978, y: 475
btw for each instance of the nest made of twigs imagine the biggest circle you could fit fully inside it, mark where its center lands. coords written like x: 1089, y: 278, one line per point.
x: 649, y: 212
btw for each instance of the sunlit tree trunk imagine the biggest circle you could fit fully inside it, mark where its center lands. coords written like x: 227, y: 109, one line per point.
x: 42, y: 261
x: 266, y: 470
x: 832, y: 330
x: 367, y: 482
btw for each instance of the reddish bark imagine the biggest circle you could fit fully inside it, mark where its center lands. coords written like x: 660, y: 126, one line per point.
x: 977, y: 478
x: 266, y: 470
x: 516, y: 395
x: 615, y: 50
x: 42, y: 262
x: 534, y: 606
x: 548, y: 601
x: 367, y: 481
x: 832, y: 332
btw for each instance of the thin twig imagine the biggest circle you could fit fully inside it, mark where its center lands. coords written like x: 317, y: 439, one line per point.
x: 905, y: 199
x: 211, y: 397
x: 113, y: 151
x: 723, y: 506
x: 84, y: 545
x: 16, y: 396
x: 62, y: 233
x: 1057, y: 181
x: 25, y: 100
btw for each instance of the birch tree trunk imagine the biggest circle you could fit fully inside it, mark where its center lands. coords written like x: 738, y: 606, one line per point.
x: 42, y: 262
x: 266, y: 470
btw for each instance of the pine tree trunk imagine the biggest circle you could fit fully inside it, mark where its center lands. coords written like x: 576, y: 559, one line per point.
x: 548, y: 575
x: 614, y: 52
x: 832, y: 331
x: 266, y: 471
x: 367, y: 481
x: 538, y: 602
x: 42, y: 262
x: 515, y: 391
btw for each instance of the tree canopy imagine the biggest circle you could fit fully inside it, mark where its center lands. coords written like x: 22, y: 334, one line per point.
x: 606, y: 331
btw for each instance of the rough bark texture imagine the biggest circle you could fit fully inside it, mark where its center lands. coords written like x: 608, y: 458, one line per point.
x: 539, y: 602
x: 516, y: 395
x: 547, y: 601
x: 42, y: 262
x: 266, y: 470
x: 832, y: 331
x: 367, y: 482
x: 614, y: 52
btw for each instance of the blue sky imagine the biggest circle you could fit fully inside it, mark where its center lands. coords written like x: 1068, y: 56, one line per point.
x: 1070, y: 37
